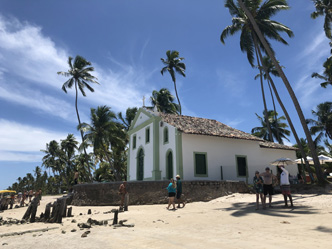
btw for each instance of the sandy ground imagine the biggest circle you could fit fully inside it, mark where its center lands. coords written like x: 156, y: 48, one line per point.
x: 227, y: 222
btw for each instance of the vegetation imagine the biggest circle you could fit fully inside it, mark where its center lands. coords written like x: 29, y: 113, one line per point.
x: 164, y: 101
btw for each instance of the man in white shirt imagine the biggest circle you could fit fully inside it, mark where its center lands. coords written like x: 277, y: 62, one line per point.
x: 285, y: 185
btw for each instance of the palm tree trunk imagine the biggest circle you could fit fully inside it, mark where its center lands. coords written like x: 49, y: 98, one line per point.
x: 290, y: 123
x: 275, y: 113
x: 263, y: 94
x: 79, y: 122
x: 176, y: 92
x: 319, y: 172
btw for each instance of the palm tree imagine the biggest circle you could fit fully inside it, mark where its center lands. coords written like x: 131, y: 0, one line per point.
x: 173, y: 64
x: 163, y: 100
x: 324, y: 7
x: 130, y: 116
x: 270, y: 53
x: 68, y: 147
x: 323, y: 124
x: 102, y: 132
x: 278, y: 128
x: 52, y: 153
x: 327, y: 74
x: 80, y: 76
x: 249, y: 42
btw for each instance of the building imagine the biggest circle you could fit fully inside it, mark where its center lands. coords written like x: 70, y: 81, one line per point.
x: 164, y: 145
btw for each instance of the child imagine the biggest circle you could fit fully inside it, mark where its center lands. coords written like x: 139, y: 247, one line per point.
x: 258, y: 187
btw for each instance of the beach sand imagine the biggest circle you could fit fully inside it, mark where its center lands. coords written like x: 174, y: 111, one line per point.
x: 227, y: 222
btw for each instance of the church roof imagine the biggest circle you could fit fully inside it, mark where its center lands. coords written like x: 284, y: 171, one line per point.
x: 210, y: 127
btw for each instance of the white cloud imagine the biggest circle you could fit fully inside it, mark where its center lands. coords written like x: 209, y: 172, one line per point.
x: 24, y: 140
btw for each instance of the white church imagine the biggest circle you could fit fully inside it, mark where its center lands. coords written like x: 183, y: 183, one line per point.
x: 162, y: 146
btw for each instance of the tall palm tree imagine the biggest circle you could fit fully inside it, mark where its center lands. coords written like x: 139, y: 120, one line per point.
x: 270, y: 69
x: 173, y: 64
x: 80, y: 76
x: 163, y: 100
x: 270, y: 53
x: 324, y: 7
x: 327, y: 73
x: 69, y: 147
x: 323, y: 124
x: 102, y: 132
x: 52, y: 153
x: 278, y: 128
x: 249, y: 42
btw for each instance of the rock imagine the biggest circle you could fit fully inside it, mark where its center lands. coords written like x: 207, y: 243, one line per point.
x: 84, y: 225
x: 73, y: 230
x: 89, y: 211
x: 73, y: 221
x: 85, y: 234
x: 5, y: 244
x: 128, y: 225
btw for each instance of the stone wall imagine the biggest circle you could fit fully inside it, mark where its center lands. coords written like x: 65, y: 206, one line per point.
x: 152, y: 192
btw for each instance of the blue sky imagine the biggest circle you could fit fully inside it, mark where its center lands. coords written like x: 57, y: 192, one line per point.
x: 125, y: 40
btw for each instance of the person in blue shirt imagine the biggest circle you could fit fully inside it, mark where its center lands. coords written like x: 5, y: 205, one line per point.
x: 171, y: 194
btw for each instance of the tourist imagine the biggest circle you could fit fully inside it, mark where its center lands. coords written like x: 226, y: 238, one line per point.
x: 123, y: 192
x: 267, y: 186
x: 258, y: 187
x: 171, y: 194
x: 76, y: 177
x: 30, y: 195
x: 179, y: 191
x: 285, y: 185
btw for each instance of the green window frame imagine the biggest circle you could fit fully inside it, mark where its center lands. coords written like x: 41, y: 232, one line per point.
x: 134, y: 142
x: 147, y: 135
x: 201, y: 165
x: 241, y: 166
x: 166, y: 135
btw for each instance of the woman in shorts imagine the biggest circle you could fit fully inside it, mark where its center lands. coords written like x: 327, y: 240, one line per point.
x: 171, y: 193
x: 258, y: 187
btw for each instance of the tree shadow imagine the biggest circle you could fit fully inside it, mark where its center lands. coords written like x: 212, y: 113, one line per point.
x: 244, y: 208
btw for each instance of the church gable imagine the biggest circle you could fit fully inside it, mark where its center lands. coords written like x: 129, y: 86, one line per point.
x: 142, y: 116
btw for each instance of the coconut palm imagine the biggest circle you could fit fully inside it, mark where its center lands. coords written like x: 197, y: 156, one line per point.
x: 52, y: 153
x: 278, y: 128
x: 255, y: 27
x: 173, y: 64
x: 323, y: 124
x: 80, y: 76
x: 324, y: 8
x: 102, y: 133
x: 163, y: 100
x: 130, y: 115
x: 249, y: 42
x: 327, y: 73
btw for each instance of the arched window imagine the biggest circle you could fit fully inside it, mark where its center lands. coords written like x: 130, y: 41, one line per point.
x: 169, y: 165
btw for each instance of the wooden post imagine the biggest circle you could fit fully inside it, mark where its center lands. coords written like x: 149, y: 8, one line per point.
x: 47, y: 211
x: 115, y: 220
x: 69, y: 212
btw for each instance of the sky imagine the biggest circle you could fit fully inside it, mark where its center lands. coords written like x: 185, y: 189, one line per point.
x: 124, y: 41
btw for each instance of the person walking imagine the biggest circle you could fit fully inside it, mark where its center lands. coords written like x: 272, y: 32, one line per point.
x: 285, y: 185
x: 258, y: 187
x: 171, y: 194
x: 267, y: 186
x: 179, y: 192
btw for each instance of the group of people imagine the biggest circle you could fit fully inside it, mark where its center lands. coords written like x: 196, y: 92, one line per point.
x: 263, y: 185
x: 175, y: 190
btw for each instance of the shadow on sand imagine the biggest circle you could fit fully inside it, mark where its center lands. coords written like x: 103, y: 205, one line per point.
x: 243, y: 208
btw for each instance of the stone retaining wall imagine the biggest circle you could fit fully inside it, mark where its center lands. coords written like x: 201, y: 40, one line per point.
x: 152, y: 192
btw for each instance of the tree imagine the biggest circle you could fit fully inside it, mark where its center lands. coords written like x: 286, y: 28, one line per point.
x: 270, y: 69
x: 323, y: 124
x: 52, y: 152
x: 130, y: 116
x: 324, y: 7
x: 327, y: 74
x: 173, y: 64
x: 249, y: 42
x: 80, y: 76
x: 278, y: 128
x: 102, y: 132
x: 164, y: 101
x: 270, y: 53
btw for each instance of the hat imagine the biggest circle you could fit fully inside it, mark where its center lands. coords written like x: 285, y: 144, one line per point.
x: 267, y: 168
x: 178, y: 176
